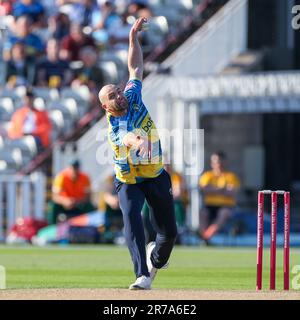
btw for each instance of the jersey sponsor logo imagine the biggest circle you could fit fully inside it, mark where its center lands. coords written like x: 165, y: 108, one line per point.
x: 147, y: 126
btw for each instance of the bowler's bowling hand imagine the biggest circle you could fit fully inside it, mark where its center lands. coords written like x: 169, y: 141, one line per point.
x: 139, y: 25
x: 143, y: 146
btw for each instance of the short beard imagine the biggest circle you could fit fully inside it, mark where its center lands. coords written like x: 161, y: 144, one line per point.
x: 121, y: 107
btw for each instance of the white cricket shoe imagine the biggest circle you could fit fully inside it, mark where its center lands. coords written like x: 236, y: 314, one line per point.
x: 152, y: 270
x: 141, y: 283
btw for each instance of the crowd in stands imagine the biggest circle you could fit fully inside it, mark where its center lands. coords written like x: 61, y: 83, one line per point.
x: 59, y: 45
x: 62, y: 44
x: 28, y: 120
x: 43, y: 38
x: 71, y: 196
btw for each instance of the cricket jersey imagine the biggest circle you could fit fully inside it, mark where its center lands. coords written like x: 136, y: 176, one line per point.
x: 226, y: 178
x: 130, y: 167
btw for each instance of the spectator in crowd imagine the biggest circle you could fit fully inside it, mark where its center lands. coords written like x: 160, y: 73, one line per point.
x: 105, y: 22
x: 52, y: 71
x: 180, y: 195
x: 30, y: 121
x: 74, y: 42
x: 18, y: 70
x: 82, y: 12
x: 89, y: 74
x: 31, y: 8
x: 181, y: 201
x: 150, y: 234
x: 219, y: 188
x: 71, y: 194
x: 52, y: 7
x: 139, y: 8
x: 5, y: 7
x: 109, y: 203
x: 120, y: 37
x: 59, y: 25
x: 22, y: 33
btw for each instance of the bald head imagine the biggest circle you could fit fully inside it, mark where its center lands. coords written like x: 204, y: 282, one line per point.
x: 113, y: 100
x: 104, y: 91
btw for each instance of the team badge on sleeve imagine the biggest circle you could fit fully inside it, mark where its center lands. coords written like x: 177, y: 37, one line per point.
x: 136, y: 107
x: 129, y: 86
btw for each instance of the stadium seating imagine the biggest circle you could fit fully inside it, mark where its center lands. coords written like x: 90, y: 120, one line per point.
x: 10, y: 161
x: 58, y: 122
x: 68, y: 106
x: 26, y: 145
x: 110, y: 71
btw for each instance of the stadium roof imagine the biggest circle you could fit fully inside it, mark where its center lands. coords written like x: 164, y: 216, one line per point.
x: 253, y: 85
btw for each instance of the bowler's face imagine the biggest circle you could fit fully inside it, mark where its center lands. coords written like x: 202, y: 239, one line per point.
x: 115, y: 100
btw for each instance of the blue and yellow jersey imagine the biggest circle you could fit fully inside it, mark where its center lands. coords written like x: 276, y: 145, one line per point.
x: 130, y: 168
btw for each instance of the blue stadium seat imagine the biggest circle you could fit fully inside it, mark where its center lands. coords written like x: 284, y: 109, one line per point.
x: 58, y: 123
x: 5, y: 113
x: 10, y: 161
x: 46, y: 93
x: 110, y: 71
x: 26, y: 145
x: 80, y: 94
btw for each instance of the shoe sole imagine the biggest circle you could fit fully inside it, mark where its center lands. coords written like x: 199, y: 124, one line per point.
x: 138, y: 288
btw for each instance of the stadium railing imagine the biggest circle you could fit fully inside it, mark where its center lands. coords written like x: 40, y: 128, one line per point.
x: 21, y: 196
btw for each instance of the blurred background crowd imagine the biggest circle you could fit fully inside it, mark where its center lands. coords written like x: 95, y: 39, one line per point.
x: 55, y: 55
x: 229, y: 67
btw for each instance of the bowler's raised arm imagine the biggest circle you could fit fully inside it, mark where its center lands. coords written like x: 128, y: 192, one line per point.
x: 135, y: 54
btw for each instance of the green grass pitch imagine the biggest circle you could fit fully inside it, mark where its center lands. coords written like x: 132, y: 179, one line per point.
x: 110, y: 267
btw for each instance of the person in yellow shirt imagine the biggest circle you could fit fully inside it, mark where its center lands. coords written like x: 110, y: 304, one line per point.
x: 109, y: 203
x: 219, y: 188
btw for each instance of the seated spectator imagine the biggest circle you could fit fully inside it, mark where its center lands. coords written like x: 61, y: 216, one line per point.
x: 59, y: 26
x: 30, y: 121
x: 22, y: 33
x: 89, y: 74
x: 71, y: 193
x: 53, y: 72
x: 50, y: 7
x: 5, y: 7
x: 105, y: 22
x: 219, y: 188
x: 74, y: 42
x: 109, y: 203
x: 139, y: 8
x: 119, y: 38
x: 31, y: 8
x: 180, y: 203
x: 82, y: 12
x: 18, y: 70
x: 150, y: 233
x: 180, y: 195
